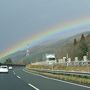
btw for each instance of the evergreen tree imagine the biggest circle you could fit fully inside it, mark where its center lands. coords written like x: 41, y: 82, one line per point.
x: 82, y: 38
x: 83, y: 47
x: 8, y: 61
x: 75, y: 42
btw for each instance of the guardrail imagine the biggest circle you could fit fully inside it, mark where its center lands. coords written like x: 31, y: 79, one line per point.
x: 74, y: 63
x: 63, y: 72
x: 19, y: 65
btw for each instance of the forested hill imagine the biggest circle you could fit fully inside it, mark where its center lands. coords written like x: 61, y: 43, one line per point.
x: 78, y: 45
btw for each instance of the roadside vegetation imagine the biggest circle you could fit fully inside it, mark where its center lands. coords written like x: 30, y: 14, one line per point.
x: 58, y: 67
x: 70, y: 78
x: 8, y: 61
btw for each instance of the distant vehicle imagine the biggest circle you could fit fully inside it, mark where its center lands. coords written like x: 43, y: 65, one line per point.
x: 10, y: 68
x: 3, y: 69
x: 50, y: 59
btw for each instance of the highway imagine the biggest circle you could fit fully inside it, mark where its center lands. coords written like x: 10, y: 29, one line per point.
x: 18, y: 79
x: 44, y: 83
x: 9, y: 81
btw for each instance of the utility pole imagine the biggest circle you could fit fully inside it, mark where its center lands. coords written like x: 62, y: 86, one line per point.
x: 67, y: 59
x: 67, y: 56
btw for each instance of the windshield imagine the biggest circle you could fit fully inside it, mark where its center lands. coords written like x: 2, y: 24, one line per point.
x: 51, y: 58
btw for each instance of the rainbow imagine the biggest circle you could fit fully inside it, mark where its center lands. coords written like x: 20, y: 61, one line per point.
x: 67, y: 26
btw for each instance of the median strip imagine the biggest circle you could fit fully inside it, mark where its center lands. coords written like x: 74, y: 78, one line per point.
x: 33, y: 87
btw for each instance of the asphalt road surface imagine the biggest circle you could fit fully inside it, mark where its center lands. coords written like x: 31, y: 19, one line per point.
x: 42, y: 83
x: 9, y: 81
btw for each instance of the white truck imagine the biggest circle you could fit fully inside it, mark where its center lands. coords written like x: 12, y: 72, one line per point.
x: 51, y: 59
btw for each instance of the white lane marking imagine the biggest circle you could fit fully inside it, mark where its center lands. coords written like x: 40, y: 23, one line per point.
x: 33, y: 86
x: 18, y: 77
x: 14, y: 73
x: 58, y: 80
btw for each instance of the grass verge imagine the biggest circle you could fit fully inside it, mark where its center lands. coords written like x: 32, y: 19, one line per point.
x: 74, y: 79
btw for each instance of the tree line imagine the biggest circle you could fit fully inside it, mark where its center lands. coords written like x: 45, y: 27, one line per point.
x: 81, y: 46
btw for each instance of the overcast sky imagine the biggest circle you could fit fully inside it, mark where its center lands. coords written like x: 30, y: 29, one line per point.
x: 22, y: 18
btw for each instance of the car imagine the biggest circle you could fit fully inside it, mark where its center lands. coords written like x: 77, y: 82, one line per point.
x: 3, y: 69
x: 10, y: 68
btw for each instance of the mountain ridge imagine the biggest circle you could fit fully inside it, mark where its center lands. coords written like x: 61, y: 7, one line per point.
x: 37, y: 51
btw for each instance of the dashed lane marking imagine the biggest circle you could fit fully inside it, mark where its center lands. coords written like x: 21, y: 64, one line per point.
x: 18, y: 77
x: 33, y: 86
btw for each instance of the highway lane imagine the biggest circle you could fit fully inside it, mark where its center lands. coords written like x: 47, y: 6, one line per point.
x: 9, y: 81
x: 46, y: 84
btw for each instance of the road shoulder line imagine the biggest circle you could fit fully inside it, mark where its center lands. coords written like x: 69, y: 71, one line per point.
x: 58, y: 80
